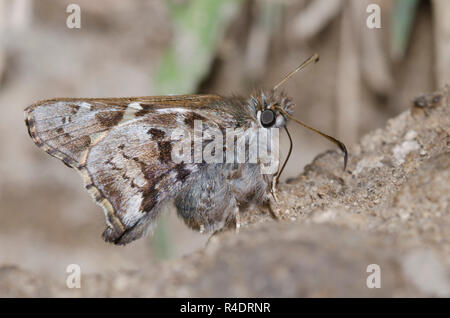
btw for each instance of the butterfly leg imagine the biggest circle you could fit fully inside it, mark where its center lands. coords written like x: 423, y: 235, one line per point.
x: 274, y: 189
x: 237, y: 219
x: 272, y: 205
x: 273, y: 199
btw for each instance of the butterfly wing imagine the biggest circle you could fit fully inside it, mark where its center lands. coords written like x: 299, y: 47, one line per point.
x: 122, y: 148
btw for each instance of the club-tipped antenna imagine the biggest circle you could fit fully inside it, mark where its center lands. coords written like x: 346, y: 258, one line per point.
x: 314, y: 58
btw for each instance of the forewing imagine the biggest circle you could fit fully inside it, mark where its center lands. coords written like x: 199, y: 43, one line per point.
x: 122, y: 148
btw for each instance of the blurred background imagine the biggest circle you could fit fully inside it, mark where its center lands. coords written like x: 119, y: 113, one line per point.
x: 135, y: 48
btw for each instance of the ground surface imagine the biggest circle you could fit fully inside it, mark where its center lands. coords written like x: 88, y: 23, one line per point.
x: 390, y: 208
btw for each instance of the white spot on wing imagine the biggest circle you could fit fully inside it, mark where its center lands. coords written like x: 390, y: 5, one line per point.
x: 170, y: 110
x: 85, y: 105
x: 130, y: 112
x: 135, y: 105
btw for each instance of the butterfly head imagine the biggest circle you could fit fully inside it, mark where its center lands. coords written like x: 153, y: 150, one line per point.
x: 270, y: 107
x: 273, y: 109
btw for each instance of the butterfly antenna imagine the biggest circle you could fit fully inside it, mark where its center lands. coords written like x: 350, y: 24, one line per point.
x: 333, y: 140
x: 314, y: 58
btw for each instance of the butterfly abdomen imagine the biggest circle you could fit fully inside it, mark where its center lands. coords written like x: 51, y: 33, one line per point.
x: 217, y: 193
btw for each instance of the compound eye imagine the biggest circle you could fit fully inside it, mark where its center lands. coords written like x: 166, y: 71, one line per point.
x: 268, y: 118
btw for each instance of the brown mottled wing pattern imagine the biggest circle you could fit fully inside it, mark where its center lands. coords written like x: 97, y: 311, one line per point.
x: 122, y: 149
